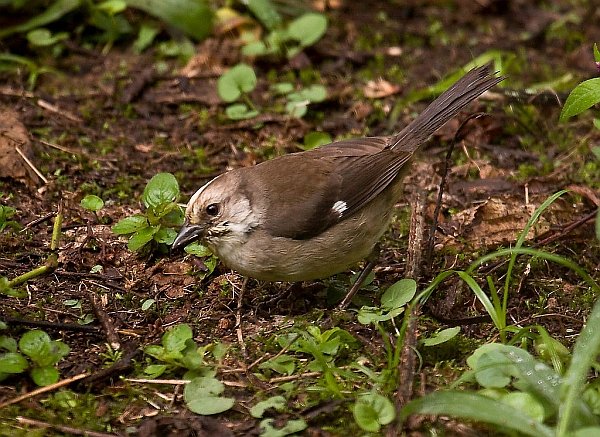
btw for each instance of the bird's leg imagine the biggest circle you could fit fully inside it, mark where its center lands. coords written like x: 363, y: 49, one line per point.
x: 371, y: 261
x: 238, y: 317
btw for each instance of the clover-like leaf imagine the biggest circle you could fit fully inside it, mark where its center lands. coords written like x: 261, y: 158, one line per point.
x: 373, y: 410
x: 308, y: 28
x: 240, y: 79
x: 240, y: 111
x: 92, y: 203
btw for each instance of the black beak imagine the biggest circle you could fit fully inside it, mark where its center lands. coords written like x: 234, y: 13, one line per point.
x: 187, y: 234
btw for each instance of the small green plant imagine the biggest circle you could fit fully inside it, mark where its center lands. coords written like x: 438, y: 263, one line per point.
x: 9, y: 286
x: 372, y: 410
x: 178, y: 351
x: 298, y: 101
x: 239, y: 81
x: 154, y: 229
x: 523, y: 395
x: 288, y: 40
x: 35, y: 353
x: 92, y: 203
x: 312, y: 140
x: 584, y: 96
x: 6, y: 213
x: 235, y: 84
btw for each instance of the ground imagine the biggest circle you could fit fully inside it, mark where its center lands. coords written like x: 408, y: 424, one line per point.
x: 108, y: 121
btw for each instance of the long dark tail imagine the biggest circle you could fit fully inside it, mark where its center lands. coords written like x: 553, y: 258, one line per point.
x: 447, y: 105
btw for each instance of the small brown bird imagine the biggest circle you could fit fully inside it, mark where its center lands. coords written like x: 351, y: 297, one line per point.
x: 312, y: 214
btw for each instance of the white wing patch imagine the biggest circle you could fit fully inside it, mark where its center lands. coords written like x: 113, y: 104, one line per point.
x: 339, y: 207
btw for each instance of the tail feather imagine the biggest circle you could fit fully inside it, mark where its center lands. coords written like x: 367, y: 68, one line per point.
x: 446, y: 106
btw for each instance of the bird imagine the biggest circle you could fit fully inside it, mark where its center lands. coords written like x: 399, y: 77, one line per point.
x: 313, y: 214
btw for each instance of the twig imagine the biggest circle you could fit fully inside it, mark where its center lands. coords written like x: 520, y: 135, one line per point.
x: 42, y: 390
x: 30, y: 164
x: 37, y: 221
x: 58, y: 147
x: 293, y: 377
x: 53, y: 108
x: 407, y: 364
x: 105, y: 321
x: 568, y: 228
x: 52, y: 325
x: 125, y: 363
x: 63, y: 428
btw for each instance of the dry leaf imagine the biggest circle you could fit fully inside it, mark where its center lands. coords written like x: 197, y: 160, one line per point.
x: 376, y: 89
x: 13, y: 134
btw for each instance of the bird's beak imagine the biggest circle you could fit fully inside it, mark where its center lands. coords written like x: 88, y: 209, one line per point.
x: 186, y: 235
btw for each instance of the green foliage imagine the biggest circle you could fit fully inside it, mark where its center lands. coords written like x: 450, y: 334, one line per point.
x: 393, y: 302
x: 584, y: 96
x: 35, y: 352
x: 11, y: 62
x: 278, y: 403
x: 313, y: 140
x: 298, y: 101
x: 6, y: 213
x: 178, y: 351
x: 192, y: 17
x: 265, y: 12
x: 520, y: 393
x: 210, y: 261
x: 92, y: 203
x: 202, y: 396
x: 233, y: 84
x: 288, y: 40
x: 155, y: 227
x: 373, y: 410
x: 291, y: 427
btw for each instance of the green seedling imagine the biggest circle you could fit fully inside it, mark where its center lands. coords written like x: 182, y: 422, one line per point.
x: 312, y: 140
x: 9, y: 286
x: 393, y: 301
x: 584, y: 96
x: 92, y: 203
x: 6, y: 213
x: 298, y: 102
x: 177, y: 351
x: 288, y: 40
x: 154, y: 229
x: 10, y: 62
x: 372, y: 411
x: 202, y: 395
x: 35, y: 353
x: 235, y: 84
x: 291, y: 427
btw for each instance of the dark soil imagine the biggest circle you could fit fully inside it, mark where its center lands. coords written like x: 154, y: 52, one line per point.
x: 113, y: 122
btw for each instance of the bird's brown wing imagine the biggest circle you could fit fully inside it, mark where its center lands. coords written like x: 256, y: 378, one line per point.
x: 312, y: 191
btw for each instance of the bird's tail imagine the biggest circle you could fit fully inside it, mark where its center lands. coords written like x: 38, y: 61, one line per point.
x: 447, y: 105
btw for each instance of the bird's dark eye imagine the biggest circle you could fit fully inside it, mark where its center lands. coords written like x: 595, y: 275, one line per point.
x: 212, y: 209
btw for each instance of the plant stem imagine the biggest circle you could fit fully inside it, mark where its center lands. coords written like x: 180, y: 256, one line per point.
x: 51, y: 262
